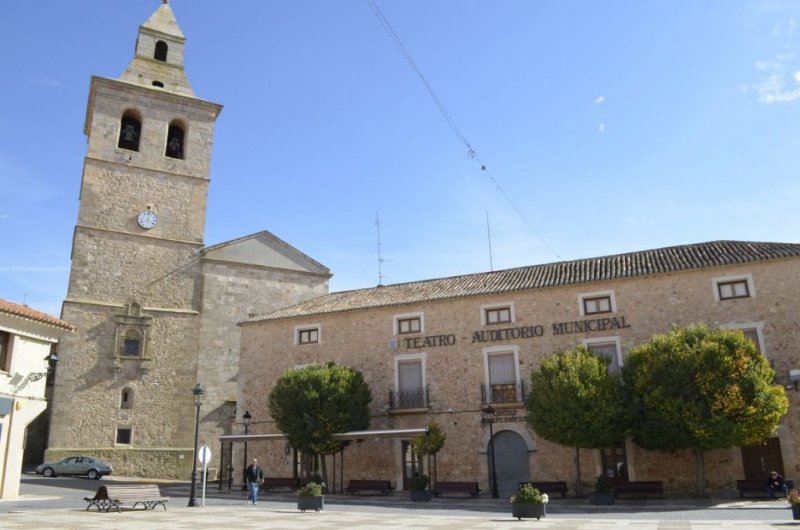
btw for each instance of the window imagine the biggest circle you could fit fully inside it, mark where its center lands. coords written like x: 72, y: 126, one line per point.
x: 408, y: 323
x: 309, y: 335
x: 161, y: 51
x: 608, y: 348
x: 410, y: 384
x: 126, y: 399
x: 123, y: 435
x: 597, y: 303
x: 159, y: 84
x: 5, y: 351
x: 497, y: 314
x: 132, y: 344
x: 735, y: 289
x: 502, y: 374
x: 175, y: 135
x: 732, y: 287
x: 129, y: 131
x: 752, y: 331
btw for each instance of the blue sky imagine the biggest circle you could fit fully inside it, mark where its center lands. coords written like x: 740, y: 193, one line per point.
x: 612, y: 126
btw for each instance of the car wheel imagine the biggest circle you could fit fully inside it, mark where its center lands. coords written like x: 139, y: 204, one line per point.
x: 48, y: 472
x: 93, y: 474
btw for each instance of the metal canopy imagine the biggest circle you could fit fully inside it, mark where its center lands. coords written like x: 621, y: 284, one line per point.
x: 352, y: 435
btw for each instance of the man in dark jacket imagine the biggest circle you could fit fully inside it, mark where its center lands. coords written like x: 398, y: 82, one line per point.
x: 776, y: 484
x: 254, y: 476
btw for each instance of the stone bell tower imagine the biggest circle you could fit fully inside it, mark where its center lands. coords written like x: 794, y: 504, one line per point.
x: 135, y: 287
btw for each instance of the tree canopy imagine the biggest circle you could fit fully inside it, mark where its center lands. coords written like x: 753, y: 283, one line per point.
x: 575, y: 401
x: 311, y: 404
x: 702, y: 389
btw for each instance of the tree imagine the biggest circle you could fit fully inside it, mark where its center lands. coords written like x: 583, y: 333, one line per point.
x: 701, y: 389
x: 311, y: 404
x: 575, y: 401
x: 430, y: 444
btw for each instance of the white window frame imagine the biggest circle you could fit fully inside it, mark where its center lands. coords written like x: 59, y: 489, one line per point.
x: 410, y: 357
x: 499, y: 350
x: 502, y: 305
x: 606, y: 340
x: 407, y: 316
x: 597, y: 294
x: 747, y: 326
x: 751, y: 288
x: 307, y: 327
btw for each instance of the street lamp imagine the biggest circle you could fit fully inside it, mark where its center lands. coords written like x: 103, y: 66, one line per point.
x: 489, y: 411
x: 246, y: 417
x: 198, y: 392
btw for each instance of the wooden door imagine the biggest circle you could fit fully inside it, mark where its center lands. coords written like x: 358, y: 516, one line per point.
x: 759, y: 460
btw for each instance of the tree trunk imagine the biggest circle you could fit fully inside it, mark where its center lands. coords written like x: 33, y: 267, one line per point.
x: 700, y: 487
x: 323, y: 470
x: 578, y: 486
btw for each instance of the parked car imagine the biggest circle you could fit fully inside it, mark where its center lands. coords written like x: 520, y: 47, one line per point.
x: 75, y: 465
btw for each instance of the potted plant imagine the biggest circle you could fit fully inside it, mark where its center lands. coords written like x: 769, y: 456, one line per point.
x: 794, y: 501
x: 309, y: 497
x: 528, y: 502
x: 419, y: 488
x: 603, y: 492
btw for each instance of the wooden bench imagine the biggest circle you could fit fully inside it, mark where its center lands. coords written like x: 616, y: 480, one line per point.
x: 643, y: 488
x: 355, y: 487
x: 273, y: 483
x: 148, y: 495
x: 758, y: 487
x: 551, y: 488
x: 470, y: 488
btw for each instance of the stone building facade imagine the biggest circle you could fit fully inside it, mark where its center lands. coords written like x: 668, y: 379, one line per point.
x: 444, y: 349
x: 155, y: 310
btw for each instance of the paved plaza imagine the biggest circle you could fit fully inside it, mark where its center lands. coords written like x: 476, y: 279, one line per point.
x: 58, y: 503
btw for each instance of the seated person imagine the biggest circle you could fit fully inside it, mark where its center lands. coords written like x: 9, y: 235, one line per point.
x: 776, y: 484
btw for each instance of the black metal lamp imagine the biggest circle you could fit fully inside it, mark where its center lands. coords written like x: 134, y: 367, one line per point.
x: 489, y: 411
x: 198, y: 392
x: 246, y: 418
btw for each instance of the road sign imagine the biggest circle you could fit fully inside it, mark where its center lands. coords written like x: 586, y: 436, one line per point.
x: 204, y: 455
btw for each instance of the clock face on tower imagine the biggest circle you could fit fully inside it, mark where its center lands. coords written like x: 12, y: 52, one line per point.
x: 147, y: 219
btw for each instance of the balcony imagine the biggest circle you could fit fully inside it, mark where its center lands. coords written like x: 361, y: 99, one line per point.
x: 503, y: 392
x: 408, y: 399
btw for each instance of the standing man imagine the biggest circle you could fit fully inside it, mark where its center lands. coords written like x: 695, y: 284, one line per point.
x: 255, y: 477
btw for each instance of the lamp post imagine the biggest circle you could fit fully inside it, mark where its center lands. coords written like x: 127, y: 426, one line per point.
x: 198, y: 392
x: 489, y: 411
x: 246, y: 417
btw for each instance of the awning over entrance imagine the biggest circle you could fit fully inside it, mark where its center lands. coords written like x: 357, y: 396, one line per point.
x: 351, y: 435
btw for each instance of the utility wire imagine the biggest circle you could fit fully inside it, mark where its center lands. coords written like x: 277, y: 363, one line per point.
x: 449, y: 119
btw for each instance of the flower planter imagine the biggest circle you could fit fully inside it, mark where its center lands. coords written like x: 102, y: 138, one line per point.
x: 796, y: 512
x: 601, y: 499
x: 420, y: 495
x: 527, y: 510
x: 310, y: 503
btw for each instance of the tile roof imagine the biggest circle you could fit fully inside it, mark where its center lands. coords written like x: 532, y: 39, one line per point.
x: 26, y: 312
x: 615, y: 267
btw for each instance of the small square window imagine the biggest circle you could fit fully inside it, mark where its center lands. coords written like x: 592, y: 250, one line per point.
x: 308, y: 336
x: 409, y: 325
x: 597, y: 304
x: 734, y: 289
x: 123, y: 436
x: 498, y: 315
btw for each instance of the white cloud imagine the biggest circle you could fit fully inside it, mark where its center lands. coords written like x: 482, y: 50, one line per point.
x: 601, y: 127
x: 599, y: 100
x: 780, y: 76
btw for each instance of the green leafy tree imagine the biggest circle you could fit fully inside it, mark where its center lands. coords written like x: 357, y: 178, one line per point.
x: 701, y: 389
x: 430, y: 444
x: 311, y: 404
x: 575, y: 401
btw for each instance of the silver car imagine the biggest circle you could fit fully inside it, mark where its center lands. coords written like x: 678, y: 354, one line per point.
x: 75, y: 465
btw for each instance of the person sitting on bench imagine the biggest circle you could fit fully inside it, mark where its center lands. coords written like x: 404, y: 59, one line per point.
x: 775, y: 484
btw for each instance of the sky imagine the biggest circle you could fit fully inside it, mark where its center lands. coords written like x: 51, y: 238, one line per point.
x: 448, y: 137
